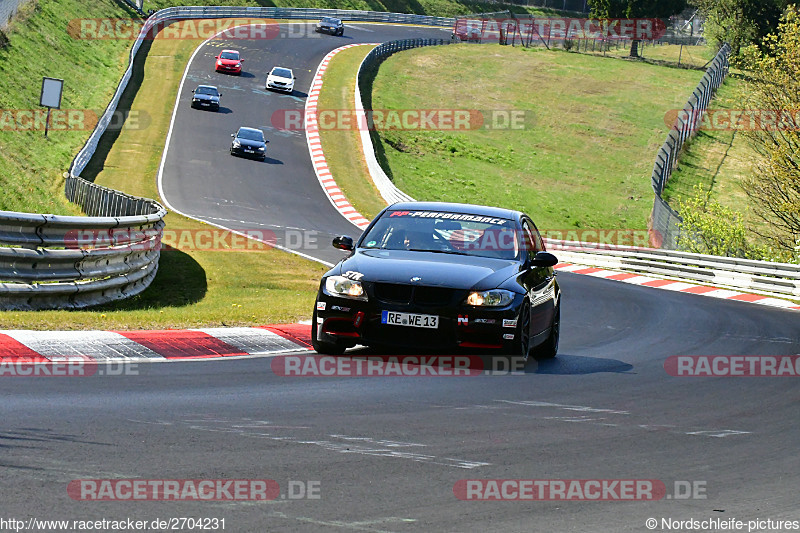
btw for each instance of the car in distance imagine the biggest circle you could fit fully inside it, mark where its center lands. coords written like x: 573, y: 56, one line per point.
x: 280, y: 79
x: 206, y: 96
x: 442, y: 276
x: 249, y: 142
x: 229, y: 61
x: 330, y: 25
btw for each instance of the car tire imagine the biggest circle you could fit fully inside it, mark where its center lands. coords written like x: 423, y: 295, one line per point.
x: 549, y: 348
x: 322, y: 347
x: 522, y: 339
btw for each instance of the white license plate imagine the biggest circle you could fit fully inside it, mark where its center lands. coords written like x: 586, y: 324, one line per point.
x: 249, y: 151
x: 409, y: 319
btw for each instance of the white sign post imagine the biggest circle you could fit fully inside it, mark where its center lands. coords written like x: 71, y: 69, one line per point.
x: 50, y: 97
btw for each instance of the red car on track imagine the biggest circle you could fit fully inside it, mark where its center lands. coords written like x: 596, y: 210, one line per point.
x: 229, y: 61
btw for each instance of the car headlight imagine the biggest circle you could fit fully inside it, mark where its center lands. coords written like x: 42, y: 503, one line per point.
x: 236, y: 144
x: 492, y: 298
x: 344, y: 287
x: 238, y: 65
x: 260, y: 148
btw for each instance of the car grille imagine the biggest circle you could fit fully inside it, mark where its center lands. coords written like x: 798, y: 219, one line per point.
x: 411, y: 294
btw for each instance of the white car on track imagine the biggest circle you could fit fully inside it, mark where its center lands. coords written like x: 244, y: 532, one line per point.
x: 280, y: 79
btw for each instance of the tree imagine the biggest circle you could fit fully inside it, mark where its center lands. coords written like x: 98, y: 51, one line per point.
x: 614, y: 9
x: 774, y: 101
x: 739, y: 22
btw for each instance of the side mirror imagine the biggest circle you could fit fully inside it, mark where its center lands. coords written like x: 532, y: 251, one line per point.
x: 266, y: 140
x: 544, y: 259
x: 233, y: 135
x: 193, y: 90
x: 343, y: 242
x: 216, y: 57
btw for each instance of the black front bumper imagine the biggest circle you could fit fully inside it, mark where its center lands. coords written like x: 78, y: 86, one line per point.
x: 350, y: 322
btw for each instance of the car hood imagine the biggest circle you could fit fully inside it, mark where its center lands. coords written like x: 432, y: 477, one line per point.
x: 250, y: 144
x: 434, y: 269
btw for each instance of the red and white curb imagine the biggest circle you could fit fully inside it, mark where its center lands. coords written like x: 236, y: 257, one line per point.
x: 673, y: 285
x: 153, y: 346
x: 326, y: 180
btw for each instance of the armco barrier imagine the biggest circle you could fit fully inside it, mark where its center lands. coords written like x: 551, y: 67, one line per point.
x: 763, y: 277
x: 390, y: 193
x: 42, y: 265
x: 775, y: 279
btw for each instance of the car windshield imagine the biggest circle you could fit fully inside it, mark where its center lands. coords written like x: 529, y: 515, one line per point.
x: 251, y: 135
x: 444, y: 232
x: 331, y: 21
x: 282, y: 72
x: 229, y: 55
x: 207, y: 90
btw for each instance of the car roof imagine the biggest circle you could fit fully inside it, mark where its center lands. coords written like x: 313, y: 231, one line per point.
x: 207, y: 87
x: 468, y: 209
x: 333, y: 19
x: 284, y: 68
x: 232, y: 51
x: 245, y: 128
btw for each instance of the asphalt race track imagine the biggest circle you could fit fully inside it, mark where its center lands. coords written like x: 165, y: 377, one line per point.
x: 200, y: 178
x: 385, y: 453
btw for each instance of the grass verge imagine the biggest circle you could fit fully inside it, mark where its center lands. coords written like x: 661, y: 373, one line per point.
x: 32, y: 165
x: 718, y: 160
x: 342, y: 147
x: 193, y: 288
x: 584, y: 155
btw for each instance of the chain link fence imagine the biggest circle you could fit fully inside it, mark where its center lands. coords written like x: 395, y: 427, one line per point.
x: 664, y: 220
x: 8, y: 8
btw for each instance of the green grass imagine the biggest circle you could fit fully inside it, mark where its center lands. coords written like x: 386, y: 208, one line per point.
x: 343, y: 150
x: 584, y: 159
x: 437, y: 8
x: 718, y: 160
x: 31, y: 166
x: 193, y: 288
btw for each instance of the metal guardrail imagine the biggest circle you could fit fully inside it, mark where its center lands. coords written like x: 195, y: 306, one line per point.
x: 43, y: 263
x: 763, y: 277
x: 664, y: 220
x: 390, y: 193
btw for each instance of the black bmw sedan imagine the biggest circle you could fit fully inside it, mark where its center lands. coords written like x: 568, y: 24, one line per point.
x: 206, y: 96
x: 442, y: 276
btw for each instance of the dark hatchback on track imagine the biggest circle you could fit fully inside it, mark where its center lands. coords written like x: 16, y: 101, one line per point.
x: 249, y: 142
x: 442, y: 276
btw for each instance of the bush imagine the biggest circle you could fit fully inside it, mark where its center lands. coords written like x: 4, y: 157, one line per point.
x: 711, y: 228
